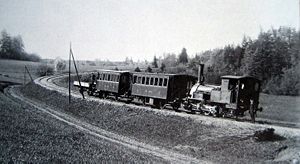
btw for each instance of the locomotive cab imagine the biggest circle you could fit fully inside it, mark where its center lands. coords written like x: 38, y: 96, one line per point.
x: 240, y: 93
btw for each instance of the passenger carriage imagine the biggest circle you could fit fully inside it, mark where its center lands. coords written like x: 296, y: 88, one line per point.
x: 115, y: 83
x: 160, y: 89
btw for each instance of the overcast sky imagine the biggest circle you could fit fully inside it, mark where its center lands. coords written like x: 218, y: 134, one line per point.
x: 114, y: 29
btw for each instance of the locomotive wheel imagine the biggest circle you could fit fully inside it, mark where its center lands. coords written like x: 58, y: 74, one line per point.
x: 175, y: 107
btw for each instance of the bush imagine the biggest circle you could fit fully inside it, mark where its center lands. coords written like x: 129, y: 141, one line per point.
x: 137, y: 69
x: 44, y: 70
x: 287, y: 84
x: 149, y: 69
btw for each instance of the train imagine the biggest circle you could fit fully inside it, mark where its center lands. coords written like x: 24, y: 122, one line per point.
x: 235, y: 95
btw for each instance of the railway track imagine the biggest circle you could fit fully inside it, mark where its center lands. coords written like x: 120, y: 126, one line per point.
x: 97, y: 132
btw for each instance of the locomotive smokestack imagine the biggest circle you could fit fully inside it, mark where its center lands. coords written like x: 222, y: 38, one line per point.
x: 200, y: 74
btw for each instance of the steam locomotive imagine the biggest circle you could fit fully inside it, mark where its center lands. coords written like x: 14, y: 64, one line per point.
x: 235, y: 96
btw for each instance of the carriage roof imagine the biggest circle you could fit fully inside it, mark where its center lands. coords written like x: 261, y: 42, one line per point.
x: 238, y: 77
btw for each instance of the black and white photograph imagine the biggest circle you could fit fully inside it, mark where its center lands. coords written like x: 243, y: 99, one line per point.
x: 150, y: 81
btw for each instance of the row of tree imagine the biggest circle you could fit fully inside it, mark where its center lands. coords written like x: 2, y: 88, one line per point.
x: 12, y: 47
x: 273, y: 58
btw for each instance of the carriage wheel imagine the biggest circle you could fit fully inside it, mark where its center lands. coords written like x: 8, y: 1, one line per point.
x: 175, y: 106
x: 144, y: 101
x: 90, y: 93
x: 100, y: 94
x: 161, y: 105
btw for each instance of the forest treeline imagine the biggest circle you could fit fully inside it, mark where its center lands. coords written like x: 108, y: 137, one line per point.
x: 12, y: 47
x: 273, y: 58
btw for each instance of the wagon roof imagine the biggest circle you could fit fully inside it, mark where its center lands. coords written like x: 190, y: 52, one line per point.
x: 158, y: 74
x: 112, y: 71
x: 238, y: 77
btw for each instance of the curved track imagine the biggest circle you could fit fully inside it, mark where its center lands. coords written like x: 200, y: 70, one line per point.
x: 95, y: 131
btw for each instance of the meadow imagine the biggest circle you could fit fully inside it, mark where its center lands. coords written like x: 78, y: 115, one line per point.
x: 13, y: 70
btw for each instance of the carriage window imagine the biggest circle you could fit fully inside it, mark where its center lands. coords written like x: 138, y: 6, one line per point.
x: 151, y: 81
x: 118, y: 77
x: 143, y: 80
x: 100, y: 76
x: 147, y: 81
x: 232, y: 84
x: 104, y: 77
x: 156, y: 81
x: 134, y: 79
x: 160, y: 81
x: 139, y: 80
x: 108, y: 77
x: 242, y: 86
x: 165, y: 82
x: 112, y: 77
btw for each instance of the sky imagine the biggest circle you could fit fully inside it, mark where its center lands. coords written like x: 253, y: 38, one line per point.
x: 139, y: 29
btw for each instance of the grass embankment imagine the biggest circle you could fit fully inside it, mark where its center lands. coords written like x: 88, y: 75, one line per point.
x: 220, y: 144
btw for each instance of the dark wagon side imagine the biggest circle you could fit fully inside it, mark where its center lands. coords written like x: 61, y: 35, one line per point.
x: 115, y: 83
x: 160, y: 89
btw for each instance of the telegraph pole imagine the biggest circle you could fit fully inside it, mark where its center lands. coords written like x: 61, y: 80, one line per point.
x: 70, y: 76
x: 81, y: 89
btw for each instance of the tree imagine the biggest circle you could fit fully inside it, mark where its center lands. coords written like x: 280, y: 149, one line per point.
x: 12, y: 47
x: 5, y: 45
x: 149, y: 69
x: 154, y: 63
x: 162, y: 67
x: 33, y: 57
x: 44, y: 70
x: 183, y: 56
x: 137, y: 69
x: 170, y: 60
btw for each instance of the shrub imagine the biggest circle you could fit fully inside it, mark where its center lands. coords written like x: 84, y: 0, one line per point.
x: 137, y: 69
x: 44, y: 70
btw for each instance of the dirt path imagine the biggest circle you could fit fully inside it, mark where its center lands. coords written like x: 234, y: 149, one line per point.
x: 95, y: 131
x: 29, y: 133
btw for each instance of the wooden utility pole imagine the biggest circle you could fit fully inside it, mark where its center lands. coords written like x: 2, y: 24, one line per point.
x: 81, y: 89
x: 24, y: 75
x: 26, y: 69
x: 70, y: 76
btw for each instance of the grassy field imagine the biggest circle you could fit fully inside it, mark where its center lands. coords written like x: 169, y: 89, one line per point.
x: 13, y: 70
x: 284, y: 108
